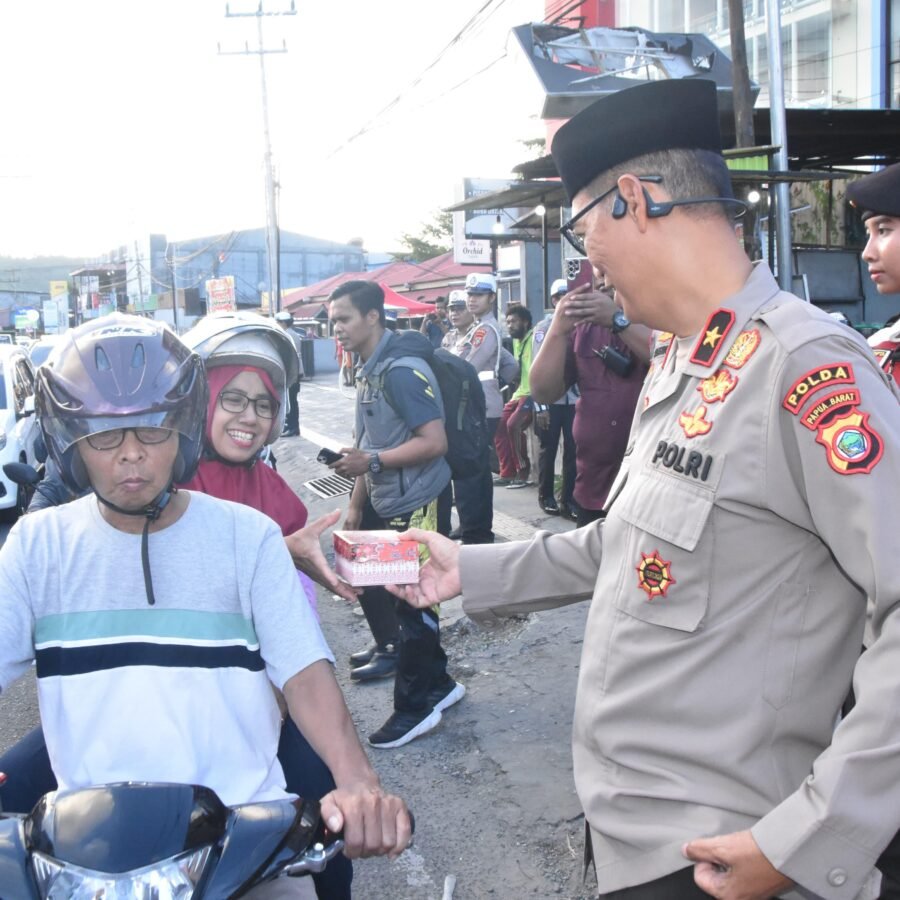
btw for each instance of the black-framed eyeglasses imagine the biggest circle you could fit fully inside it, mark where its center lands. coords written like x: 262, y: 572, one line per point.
x: 109, y: 440
x: 576, y: 240
x: 237, y: 402
x: 655, y: 209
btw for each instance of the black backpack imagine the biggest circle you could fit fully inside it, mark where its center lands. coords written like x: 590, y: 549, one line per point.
x: 461, y: 393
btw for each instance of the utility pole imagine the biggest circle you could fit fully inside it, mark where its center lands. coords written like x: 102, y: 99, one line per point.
x: 137, y: 262
x: 742, y: 100
x: 779, y: 138
x: 273, y: 243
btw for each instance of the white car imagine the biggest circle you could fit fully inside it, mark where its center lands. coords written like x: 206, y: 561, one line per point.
x: 19, y: 431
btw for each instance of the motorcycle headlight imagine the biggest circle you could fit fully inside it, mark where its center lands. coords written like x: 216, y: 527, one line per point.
x: 171, y: 879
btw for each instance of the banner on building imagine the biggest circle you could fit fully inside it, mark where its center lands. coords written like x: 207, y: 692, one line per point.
x: 475, y: 229
x: 220, y: 294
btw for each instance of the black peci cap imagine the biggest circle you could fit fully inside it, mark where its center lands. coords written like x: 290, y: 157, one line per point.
x: 676, y: 114
x: 877, y: 194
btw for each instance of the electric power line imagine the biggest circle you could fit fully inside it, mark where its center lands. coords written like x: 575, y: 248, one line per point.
x: 455, y: 40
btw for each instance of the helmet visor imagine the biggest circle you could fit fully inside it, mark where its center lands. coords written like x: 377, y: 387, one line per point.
x: 70, y: 429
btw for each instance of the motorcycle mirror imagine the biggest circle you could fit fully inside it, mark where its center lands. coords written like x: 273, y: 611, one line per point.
x: 21, y: 473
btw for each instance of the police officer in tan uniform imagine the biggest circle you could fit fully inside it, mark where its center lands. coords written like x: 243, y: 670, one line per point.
x: 745, y: 534
x: 461, y: 320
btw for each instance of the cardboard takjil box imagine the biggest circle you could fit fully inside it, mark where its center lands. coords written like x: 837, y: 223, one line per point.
x: 365, y: 558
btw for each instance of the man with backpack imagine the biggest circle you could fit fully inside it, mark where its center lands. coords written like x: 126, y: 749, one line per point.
x: 399, y: 465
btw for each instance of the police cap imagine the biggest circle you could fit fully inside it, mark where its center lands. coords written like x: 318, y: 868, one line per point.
x: 877, y: 194
x: 675, y: 114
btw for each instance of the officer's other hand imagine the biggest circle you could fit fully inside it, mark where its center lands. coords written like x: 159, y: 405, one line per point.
x: 353, y: 462
x: 585, y: 304
x: 438, y: 578
x: 732, y: 867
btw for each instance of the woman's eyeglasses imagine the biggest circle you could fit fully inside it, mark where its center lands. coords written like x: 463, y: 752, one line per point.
x: 109, y: 440
x: 237, y: 402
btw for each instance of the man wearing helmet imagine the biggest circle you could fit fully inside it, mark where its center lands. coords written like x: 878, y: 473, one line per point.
x: 150, y: 666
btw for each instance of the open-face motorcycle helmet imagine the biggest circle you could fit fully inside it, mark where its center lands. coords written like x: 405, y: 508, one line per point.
x: 248, y: 339
x: 120, y: 371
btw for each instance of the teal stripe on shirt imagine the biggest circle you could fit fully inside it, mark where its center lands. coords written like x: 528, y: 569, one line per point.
x: 159, y: 623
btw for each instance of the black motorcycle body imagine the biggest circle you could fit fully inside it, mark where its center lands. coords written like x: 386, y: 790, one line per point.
x: 150, y: 840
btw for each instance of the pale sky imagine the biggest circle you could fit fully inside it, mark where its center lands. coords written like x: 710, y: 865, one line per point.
x: 121, y: 119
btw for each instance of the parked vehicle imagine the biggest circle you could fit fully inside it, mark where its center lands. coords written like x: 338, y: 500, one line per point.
x: 42, y: 347
x: 157, y: 840
x: 19, y: 431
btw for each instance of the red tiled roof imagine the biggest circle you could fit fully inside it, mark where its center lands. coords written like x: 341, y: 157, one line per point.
x: 429, y: 279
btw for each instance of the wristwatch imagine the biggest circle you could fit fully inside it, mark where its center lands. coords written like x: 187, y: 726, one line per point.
x: 375, y: 463
x: 619, y: 321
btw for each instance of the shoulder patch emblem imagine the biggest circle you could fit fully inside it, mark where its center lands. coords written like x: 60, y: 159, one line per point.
x: 813, y: 416
x: 694, y: 423
x: 714, y: 333
x: 654, y: 575
x: 717, y: 387
x: 742, y: 349
x: 477, y: 338
x: 816, y: 380
x: 538, y: 337
x: 852, y: 446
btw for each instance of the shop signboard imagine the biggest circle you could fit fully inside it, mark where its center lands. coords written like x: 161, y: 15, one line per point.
x: 220, y: 294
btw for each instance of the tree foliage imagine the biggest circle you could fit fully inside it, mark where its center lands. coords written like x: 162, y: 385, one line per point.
x: 434, y: 239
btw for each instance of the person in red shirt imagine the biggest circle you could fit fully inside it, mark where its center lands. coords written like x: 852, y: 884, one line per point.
x: 586, y: 324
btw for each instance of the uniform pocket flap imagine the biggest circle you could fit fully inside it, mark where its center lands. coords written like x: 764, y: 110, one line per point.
x: 667, y: 506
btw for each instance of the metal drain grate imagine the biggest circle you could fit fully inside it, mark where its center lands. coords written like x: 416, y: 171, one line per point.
x: 330, y: 486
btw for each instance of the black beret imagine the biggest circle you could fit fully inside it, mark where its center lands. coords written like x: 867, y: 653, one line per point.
x: 878, y: 194
x: 675, y: 114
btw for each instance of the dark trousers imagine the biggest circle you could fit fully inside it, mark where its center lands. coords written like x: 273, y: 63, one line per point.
x: 675, y: 886
x: 492, y: 450
x: 27, y: 766
x: 475, y: 505
x: 292, y: 417
x: 421, y: 661
x: 586, y: 516
x: 562, y: 417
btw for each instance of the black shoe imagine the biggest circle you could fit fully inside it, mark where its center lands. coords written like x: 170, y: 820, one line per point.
x: 455, y: 535
x: 363, y: 656
x: 550, y: 506
x: 290, y: 432
x: 569, y: 511
x: 382, y: 665
x: 441, y: 698
x: 403, y: 727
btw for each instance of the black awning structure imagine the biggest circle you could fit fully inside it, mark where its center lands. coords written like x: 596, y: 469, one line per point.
x: 817, y: 139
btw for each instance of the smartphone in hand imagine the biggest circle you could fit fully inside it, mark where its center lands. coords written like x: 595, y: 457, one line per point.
x: 327, y: 457
x: 578, y: 272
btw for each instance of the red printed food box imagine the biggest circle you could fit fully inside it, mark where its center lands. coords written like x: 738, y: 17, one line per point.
x: 364, y: 558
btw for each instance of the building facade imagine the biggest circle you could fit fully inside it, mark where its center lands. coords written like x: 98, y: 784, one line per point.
x: 836, y: 53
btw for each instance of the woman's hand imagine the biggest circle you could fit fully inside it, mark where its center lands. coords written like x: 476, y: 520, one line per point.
x: 306, y: 550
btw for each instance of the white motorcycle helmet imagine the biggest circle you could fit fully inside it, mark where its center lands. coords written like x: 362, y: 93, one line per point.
x: 245, y: 338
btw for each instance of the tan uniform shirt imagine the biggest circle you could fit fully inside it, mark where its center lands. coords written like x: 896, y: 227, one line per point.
x: 481, y: 347
x: 755, y: 513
